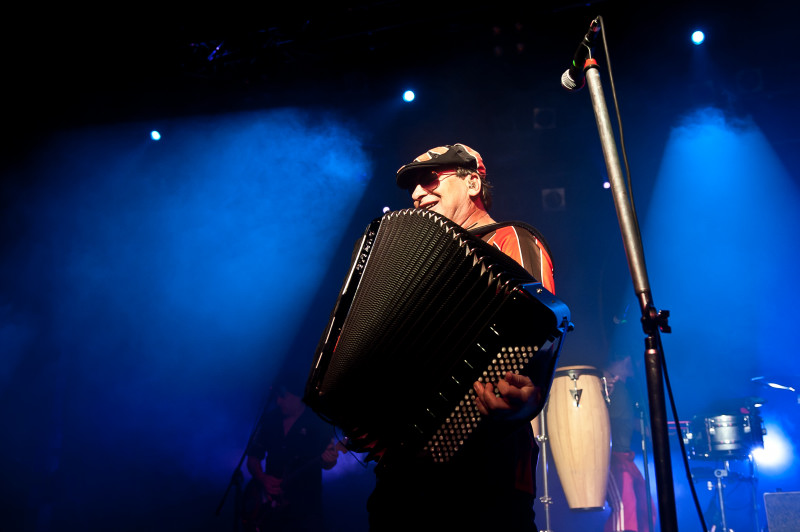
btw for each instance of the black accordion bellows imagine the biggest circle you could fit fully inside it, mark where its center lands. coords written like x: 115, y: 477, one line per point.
x: 426, y: 310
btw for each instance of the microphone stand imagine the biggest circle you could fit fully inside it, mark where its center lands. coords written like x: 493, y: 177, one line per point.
x: 237, y: 481
x: 653, y: 321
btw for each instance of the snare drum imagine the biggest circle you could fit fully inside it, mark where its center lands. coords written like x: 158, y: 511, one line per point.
x: 727, y: 436
x: 579, y: 433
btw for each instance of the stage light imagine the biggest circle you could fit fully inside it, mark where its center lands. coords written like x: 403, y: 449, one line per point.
x: 776, y: 453
x: 155, y: 135
x: 408, y: 96
x: 780, y: 386
x: 698, y: 37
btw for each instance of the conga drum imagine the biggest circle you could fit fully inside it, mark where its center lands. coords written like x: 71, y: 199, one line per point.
x: 579, y: 433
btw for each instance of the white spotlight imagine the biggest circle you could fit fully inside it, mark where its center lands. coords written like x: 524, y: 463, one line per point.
x: 409, y: 96
x: 777, y: 451
x: 155, y: 135
x: 698, y: 37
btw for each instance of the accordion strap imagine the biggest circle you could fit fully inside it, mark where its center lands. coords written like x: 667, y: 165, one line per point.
x: 486, y: 229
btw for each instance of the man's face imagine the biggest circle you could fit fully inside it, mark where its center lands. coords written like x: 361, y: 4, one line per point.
x: 445, y: 193
x: 289, y: 403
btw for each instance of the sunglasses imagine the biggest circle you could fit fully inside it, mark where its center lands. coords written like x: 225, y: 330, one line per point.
x: 431, y: 180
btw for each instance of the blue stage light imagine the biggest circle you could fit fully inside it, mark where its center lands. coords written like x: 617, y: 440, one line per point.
x: 408, y: 96
x: 698, y: 37
x: 155, y: 135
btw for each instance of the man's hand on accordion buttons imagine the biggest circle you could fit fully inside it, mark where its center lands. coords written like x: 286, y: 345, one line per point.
x: 518, y: 398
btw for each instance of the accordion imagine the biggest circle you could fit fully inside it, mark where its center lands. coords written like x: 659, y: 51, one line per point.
x: 425, y: 310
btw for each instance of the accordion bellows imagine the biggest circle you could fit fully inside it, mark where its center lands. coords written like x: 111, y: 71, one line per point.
x: 426, y: 310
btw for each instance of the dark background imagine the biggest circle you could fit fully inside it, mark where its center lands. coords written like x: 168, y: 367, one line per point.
x: 151, y: 292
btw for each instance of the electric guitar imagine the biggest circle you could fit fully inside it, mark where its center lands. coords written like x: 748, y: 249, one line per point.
x: 261, y: 508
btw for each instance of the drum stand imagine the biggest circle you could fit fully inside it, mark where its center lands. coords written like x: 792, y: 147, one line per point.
x: 719, y: 474
x: 718, y: 502
x: 545, y: 498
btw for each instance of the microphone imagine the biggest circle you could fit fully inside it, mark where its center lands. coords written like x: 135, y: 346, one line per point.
x: 572, y: 79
